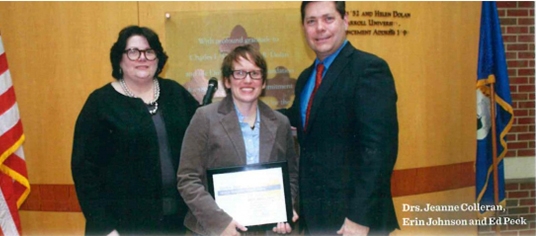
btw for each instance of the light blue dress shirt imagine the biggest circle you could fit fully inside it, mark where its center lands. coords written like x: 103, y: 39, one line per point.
x: 310, y: 85
x: 251, y: 137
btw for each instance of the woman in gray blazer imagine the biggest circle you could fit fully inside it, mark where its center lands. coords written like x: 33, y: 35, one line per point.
x: 237, y: 131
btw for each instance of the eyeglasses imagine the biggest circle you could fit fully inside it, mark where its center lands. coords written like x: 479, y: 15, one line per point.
x: 254, y: 74
x: 134, y: 54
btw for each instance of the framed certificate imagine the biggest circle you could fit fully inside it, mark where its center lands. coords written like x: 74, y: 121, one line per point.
x: 253, y: 195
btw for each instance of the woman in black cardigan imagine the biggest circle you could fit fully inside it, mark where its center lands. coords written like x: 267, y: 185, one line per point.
x: 127, y: 143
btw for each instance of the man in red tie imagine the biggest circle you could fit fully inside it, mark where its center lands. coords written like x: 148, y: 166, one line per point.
x: 345, y: 113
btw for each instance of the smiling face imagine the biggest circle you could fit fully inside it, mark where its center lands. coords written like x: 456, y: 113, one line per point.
x: 247, y: 90
x: 140, y: 69
x: 325, y: 29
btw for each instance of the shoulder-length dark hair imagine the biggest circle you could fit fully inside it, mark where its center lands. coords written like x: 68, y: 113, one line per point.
x: 116, y: 53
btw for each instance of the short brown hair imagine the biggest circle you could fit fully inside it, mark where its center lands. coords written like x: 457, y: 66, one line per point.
x: 247, y: 52
x: 340, y: 6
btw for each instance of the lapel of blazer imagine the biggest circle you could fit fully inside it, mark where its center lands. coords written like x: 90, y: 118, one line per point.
x: 302, y: 80
x: 300, y: 84
x: 267, y: 132
x: 329, y: 79
x: 229, y: 121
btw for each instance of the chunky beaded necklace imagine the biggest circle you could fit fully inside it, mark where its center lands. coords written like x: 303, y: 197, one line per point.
x: 156, y: 94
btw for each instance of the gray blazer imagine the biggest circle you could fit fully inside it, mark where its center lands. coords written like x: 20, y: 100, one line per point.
x: 214, y: 140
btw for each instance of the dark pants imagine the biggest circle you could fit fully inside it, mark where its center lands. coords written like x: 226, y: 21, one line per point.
x: 166, y: 225
x: 172, y: 225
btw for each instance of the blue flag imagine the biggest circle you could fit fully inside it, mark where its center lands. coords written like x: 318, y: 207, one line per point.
x: 492, y: 71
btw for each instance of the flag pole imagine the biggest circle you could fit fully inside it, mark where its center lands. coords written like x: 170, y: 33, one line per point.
x: 494, y: 154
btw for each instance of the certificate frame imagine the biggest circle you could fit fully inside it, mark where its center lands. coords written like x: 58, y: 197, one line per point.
x: 241, y: 180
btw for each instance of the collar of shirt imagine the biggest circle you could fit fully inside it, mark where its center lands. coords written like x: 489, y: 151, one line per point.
x: 329, y: 59
x: 309, y: 85
x: 250, y: 136
x: 241, y: 117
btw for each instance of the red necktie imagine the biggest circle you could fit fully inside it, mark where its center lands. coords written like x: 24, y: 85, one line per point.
x: 318, y: 80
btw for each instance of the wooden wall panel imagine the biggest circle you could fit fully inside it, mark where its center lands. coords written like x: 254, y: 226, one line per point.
x: 58, y: 52
x: 39, y: 223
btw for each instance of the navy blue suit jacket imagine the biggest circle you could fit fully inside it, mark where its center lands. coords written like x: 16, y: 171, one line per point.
x: 349, y: 150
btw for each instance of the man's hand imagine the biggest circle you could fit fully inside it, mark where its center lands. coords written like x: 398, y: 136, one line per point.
x: 351, y: 228
x: 231, y: 229
x: 284, y: 228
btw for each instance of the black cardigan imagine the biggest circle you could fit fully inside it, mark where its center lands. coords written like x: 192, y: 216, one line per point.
x: 115, y: 159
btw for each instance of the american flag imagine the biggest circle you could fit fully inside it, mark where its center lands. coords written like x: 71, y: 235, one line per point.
x: 14, y: 184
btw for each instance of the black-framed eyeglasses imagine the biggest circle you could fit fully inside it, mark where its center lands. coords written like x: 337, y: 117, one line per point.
x: 241, y: 74
x: 134, y: 54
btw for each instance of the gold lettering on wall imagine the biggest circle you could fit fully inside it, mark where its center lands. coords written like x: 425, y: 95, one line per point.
x: 377, y: 23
